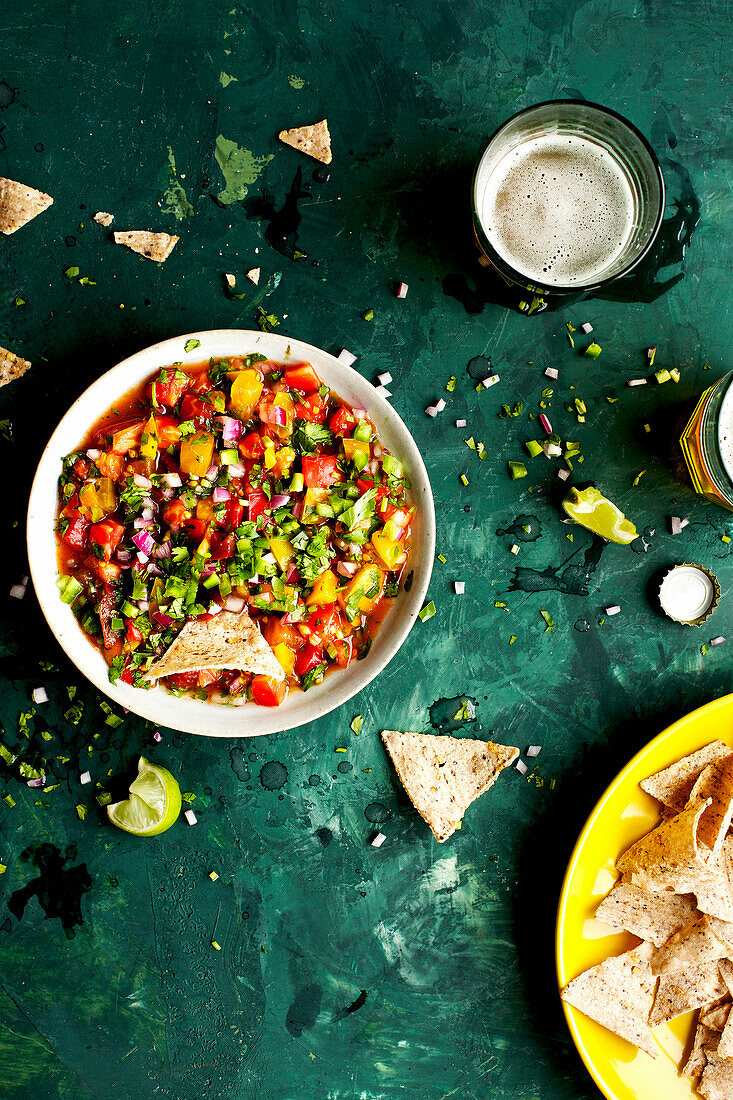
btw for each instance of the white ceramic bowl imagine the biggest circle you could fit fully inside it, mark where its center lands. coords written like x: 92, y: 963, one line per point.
x: 193, y: 715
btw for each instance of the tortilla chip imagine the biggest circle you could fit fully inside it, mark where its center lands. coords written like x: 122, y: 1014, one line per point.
x: 314, y: 140
x: 715, y: 782
x: 706, y: 1042
x: 726, y: 973
x: 725, y: 1046
x: 704, y: 940
x: 683, y: 990
x: 230, y: 640
x: 153, y: 246
x: 667, y: 858
x: 254, y: 275
x: 714, y: 887
x: 231, y: 280
x: 19, y: 204
x: 618, y: 993
x: 716, y: 1082
x: 716, y: 1015
x: 673, y: 785
x: 11, y: 366
x: 443, y: 775
x: 649, y: 916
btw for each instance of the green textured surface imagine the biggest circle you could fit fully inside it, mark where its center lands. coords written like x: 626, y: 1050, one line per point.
x: 153, y: 112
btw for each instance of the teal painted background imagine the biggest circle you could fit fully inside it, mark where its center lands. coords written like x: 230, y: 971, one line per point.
x: 123, y: 108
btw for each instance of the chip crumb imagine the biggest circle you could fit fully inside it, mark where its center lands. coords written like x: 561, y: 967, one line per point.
x: 102, y: 217
x: 231, y: 280
x: 314, y: 140
x: 521, y: 767
x: 254, y: 275
x: 378, y: 840
x: 153, y: 246
x: 11, y: 366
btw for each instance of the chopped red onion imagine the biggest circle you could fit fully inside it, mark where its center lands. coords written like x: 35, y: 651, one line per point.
x: 383, y: 391
x: 717, y: 641
x: 144, y: 542
x: 586, y: 327
x: 563, y: 474
x: 173, y: 481
x: 460, y: 423
x: 141, y: 524
x: 231, y: 429
x: 154, y: 570
x: 18, y: 591
x: 142, y: 482
x: 460, y: 587
x: 521, y: 767
x: 40, y: 695
x: 36, y: 782
x: 378, y: 839
x: 123, y: 555
x: 552, y: 450
x: 346, y: 357
x: 347, y: 568
x: 552, y: 372
x: 234, y: 603
x: 377, y: 450
x: 439, y: 405
x: 360, y: 414
x: 142, y: 558
x: 292, y: 576
x: 385, y: 378
x: 545, y: 423
x: 220, y: 495
x: 650, y: 352
x: 275, y: 415
x: 93, y: 453
x: 492, y: 379
x: 190, y: 817
x: 534, y: 750
x: 236, y: 471
x: 212, y: 473
x: 431, y: 411
x: 167, y: 494
x: 677, y: 525
x: 163, y: 551
x: 215, y: 608
x: 613, y: 610
x: 85, y: 777
x: 237, y: 684
x: 143, y: 605
x: 280, y: 500
x: 157, y: 736
x: 401, y: 290
x: 161, y: 620
x: 147, y: 514
x: 637, y: 382
x: 148, y: 502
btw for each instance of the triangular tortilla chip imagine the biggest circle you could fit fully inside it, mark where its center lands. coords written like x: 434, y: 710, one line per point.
x: 667, y: 858
x: 102, y: 217
x: 715, y: 782
x: 704, y: 940
x: 706, y: 1042
x: 153, y: 246
x: 19, y: 204
x: 649, y: 916
x: 716, y: 1015
x: 254, y: 275
x: 314, y: 140
x: 11, y: 366
x: 229, y: 640
x: 672, y: 786
x: 683, y: 990
x: 618, y: 993
x: 714, y: 887
x: 443, y: 775
x: 726, y: 972
x: 716, y: 1082
x: 725, y: 1047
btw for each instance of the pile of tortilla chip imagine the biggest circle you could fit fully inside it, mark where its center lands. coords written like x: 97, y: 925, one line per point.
x: 675, y: 895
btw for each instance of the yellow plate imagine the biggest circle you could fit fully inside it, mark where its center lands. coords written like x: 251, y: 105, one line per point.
x: 623, y: 815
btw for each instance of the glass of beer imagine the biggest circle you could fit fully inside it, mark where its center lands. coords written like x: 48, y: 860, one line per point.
x: 567, y: 196
x: 707, y: 443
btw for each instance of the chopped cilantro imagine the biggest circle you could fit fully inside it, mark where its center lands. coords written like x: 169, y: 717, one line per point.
x: 267, y: 322
x: 549, y: 621
x: 427, y: 612
x: 356, y: 724
x: 307, y: 437
x: 191, y: 345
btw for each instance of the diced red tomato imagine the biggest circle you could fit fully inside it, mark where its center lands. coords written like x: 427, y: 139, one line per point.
x: 344, y: 651
x: 127, y: 436
x: 107, y: 535
x: 196, y: 408
x: 309, y: 657
x: 200, y: 383
x: 258, y: 502
x: 183, y: 679
x: 81, y: 467
x: 275, y: 632
x: 312, y: 408
x: 268, y: 692
x: 174, y: 514
x: 107, y: 571
x: 325, y: 624
x: 302, y: 378
x: 252, y: 446
x: 106, y: 611
x: 169, y: 392
x: 126, y: 677
x: 76, y: 533
x: 365, y: 483
x: 133, y: 634
x: 168, y: 430
x: 320, y: 471
x: 233, y: 514
x: 195, y: 528
x: 208, y: 676
x: 222, y: 547
x: 110, y: 465
x: 342, y: 422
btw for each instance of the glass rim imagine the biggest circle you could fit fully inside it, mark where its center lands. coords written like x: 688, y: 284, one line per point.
x: 516, y: 276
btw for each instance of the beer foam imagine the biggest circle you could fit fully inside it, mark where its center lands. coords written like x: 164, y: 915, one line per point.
x: 725, y: 432
x: 558, y: 209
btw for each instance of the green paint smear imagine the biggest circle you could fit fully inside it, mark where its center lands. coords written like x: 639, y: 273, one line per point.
x: 296, y: 82
x: 240, y: 169
x: 175, y: 200
x: 225, y: 79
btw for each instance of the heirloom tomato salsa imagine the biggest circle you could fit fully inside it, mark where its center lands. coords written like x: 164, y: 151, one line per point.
x: 238, y: 484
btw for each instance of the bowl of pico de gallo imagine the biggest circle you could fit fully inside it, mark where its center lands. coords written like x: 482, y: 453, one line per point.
x: 231, y: 533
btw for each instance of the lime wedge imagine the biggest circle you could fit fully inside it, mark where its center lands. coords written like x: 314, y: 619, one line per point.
x: 593, y: 511
x: 153, y: 805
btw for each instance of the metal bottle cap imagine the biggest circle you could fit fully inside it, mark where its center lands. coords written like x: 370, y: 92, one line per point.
x: 689, y: 594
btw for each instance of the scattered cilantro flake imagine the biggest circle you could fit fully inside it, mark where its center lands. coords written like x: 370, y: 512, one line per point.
x: 188, y: 796
x: 19, y: 302
x: 481, y: 450
x: 466, y: 712
x: 266, y: 322
x: 638, y: 477
x: 442, y: 559
x: 81, y: 811
x: 356, y: 724
x: 704, y: 648
x: 451, y: 383
x: 470, y: 443
x: 571, y: 330
x: 500, y: 603
x: 368, y: 315
x: 72, y: 272
x: 191, y: 345
x: 427, y: 612
x: 612, y: 400
x: 549, y: 621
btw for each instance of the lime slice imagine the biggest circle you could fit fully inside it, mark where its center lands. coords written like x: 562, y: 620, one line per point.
x: 153, y: 805
x: 593, y: 511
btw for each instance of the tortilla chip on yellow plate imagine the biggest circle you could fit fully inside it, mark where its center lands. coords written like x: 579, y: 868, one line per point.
x: 19, y: 204
x: 153, y: 246
x: 672, y: 786
x: 715, y: 782
x: 704, y: 940
x: 230, y: 640
x: 443, y: 775
x: 683, y: 990
x: 716, y: 1082
x: 649, y: 916
x: 618, y: 993
x: 669, y: 857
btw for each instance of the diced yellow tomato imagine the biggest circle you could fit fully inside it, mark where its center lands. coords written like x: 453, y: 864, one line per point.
x: 390, y: 552
x: 311, y: 498
x: 110, y: 465
x: 97, y: 499
x: 284, y: 401
x: 204, y: 547
x: 284, y: 459
x: 149, y: 440
x: 325, y: 590
x: 286, y: 657
x: 196, y: 453
x: 205, y: 510
x: 246, y: 391
x: 356, y: 446
x: 283, y: 551
x: 369, y: 577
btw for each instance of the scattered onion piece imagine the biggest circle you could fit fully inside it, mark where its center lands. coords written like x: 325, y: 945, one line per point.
x: 190, y: 817
x: 521, y: 767
x: 385, y: 378
x: 377, y: 840
x: 18, y: 591
x: 545, y: 423
x: 460, y: 423
x: 563, y: 474
x: 552, y: 372
x: 460, y: 587
x: 534, y: 750
x: 637, y: 381
x: 490, y: 381
x: 40, y: 695
x: 586, y: 327
x: 613, y: 610
x: 401, y: 290
x: 717, y: 641
x: 85, y: 777
x: 345, y: 356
